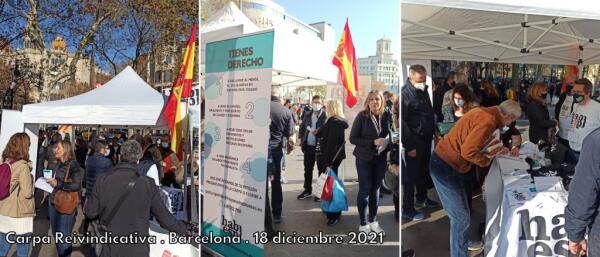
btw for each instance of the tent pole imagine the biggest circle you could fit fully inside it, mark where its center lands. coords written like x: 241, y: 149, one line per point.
x: 525, y: 31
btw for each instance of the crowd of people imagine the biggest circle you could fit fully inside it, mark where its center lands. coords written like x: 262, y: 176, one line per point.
x: 115, y: 182
x: 482, y: 125
x: 322, y: 138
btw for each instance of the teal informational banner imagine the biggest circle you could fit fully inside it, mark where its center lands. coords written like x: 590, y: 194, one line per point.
x: 244, y: 53
x: 236, y: 136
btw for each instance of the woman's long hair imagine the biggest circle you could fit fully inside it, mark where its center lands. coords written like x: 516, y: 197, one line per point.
x: 467, y: 95
x: 533, y: 95
x: 17, y: 148
x: 489, y: 88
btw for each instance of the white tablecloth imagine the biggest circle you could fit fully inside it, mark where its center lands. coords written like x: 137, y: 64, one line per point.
x: 521, y: 223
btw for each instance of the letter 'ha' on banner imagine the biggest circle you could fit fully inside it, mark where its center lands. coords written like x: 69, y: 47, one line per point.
x: 238, y: 97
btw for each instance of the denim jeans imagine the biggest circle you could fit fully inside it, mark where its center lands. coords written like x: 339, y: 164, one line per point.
x: 64, y: 224
x: 22, y: 249
x: 276, y: 193
x: 370, y: 176
x: 450, y: 186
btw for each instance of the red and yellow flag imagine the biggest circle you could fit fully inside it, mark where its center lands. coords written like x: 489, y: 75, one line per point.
x: 345, y: 60
x: 182, y: 88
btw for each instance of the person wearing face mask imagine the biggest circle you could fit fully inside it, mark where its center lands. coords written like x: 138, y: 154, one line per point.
x: 467, y: 144
x: 172, y: 167
x: 139, y: 199
x: 585, y: 117
x: 417, y: 114
x: 462, y: 102
x: 537, y: 111
x: 96, y: 165
x: 308, y: 141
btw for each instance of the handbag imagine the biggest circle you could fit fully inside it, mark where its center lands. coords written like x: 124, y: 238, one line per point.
x: 327, y: 189
x: 338, y: 202
x: 66, y: 202
x: 97, y: 228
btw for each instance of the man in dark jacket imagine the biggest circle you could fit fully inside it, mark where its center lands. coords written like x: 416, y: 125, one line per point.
x: 133, y: 215
x: 282, y: 126
x: 308, y: 130
x: 581, y: 213
x: 96, y: 165
x: 417, y: 114
x: 438, y: 95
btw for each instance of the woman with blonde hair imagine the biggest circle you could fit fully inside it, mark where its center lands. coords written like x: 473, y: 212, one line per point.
x: 67, y: 165
x: 18, y: 208
x: 330, y: 148
x: 538, y: 114
x: 368, y: 134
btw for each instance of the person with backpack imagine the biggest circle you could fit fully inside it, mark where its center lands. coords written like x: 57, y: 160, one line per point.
x: 17, y: 204
x: 123, y: 200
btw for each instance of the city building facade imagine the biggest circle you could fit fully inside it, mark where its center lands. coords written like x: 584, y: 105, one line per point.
x: 382, y: 67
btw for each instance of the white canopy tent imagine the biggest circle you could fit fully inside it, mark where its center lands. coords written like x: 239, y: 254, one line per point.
x: 125, y: 101
x: 299, y: 59
x: 507, y: 31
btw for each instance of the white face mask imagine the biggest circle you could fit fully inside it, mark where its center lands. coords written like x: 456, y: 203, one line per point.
x: 106, y: 153
x: 316, y: 107
x: 420, y: 86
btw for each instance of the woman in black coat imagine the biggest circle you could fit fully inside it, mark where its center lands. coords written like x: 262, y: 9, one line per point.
x: 538, y: 114
x: 369, y: 132
x: 331, y: 150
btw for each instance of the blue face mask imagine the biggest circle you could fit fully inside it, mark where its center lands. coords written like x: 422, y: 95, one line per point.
x: 164, y: 144
x: 505, y: 129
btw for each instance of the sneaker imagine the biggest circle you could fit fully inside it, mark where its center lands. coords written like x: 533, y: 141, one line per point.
x: 475, y: 245
x: 304, y: 195
x: 332, y: 222
x: 317, y: 199
x: 374, y: 226
x: 427, y: 203
x: 276, y: 220
x: 413, y: 215
x: 365, y: 228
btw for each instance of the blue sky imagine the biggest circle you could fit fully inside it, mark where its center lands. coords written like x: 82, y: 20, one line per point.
x: 369, y: 20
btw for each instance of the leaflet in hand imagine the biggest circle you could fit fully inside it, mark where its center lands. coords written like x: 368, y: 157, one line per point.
x: 42, y: 184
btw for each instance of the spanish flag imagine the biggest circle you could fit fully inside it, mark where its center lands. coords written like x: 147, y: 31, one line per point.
x: 182, y: 88
x: 345, y: 60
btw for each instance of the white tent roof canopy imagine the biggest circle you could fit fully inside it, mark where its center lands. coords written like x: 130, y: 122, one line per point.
x: 125, y: 101
x: 298, y: 59
x: 509, y: 31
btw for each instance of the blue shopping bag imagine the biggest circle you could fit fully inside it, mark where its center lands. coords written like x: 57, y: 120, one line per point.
x: 338, y: 200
